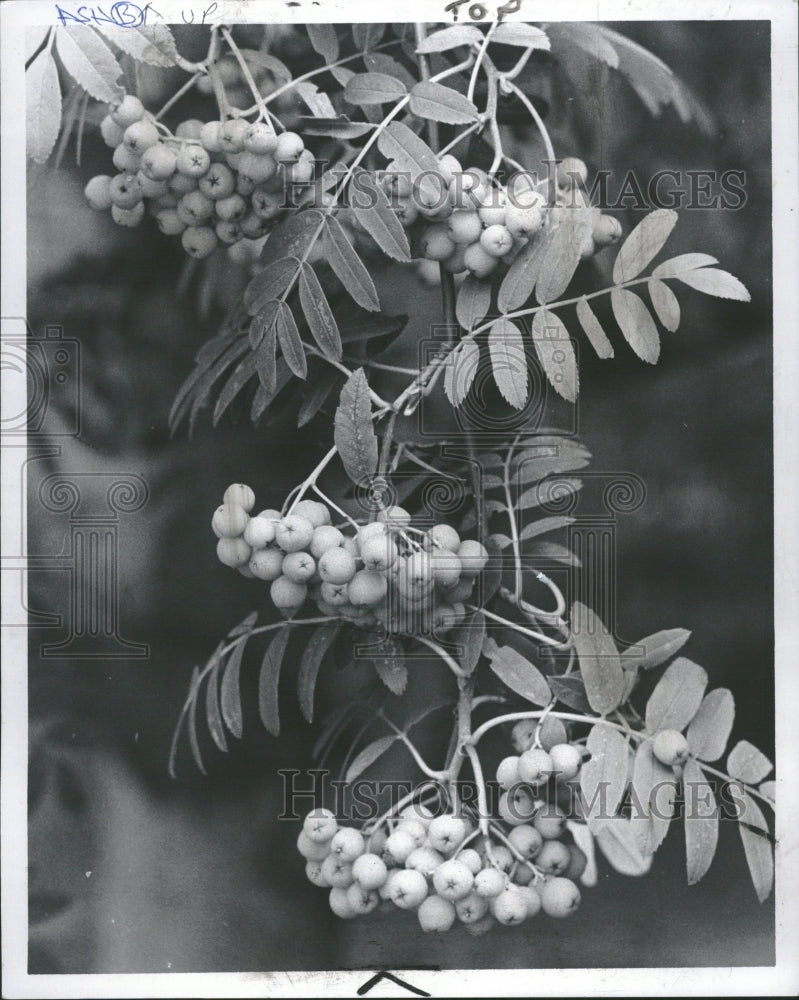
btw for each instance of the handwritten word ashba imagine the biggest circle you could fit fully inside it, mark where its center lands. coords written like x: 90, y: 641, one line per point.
x: 124, y: 14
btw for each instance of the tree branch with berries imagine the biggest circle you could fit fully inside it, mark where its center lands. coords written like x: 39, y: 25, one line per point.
x: 308, y: 211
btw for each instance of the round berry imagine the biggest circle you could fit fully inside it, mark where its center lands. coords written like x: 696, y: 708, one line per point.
x: 362, y: 900
x: 531, y: 898
x: 395, y: 517
x: 313, y: 872
x: 129, y: 110
x: 607, y: 231
x: 369, y: 871
x: 436, y: 915
x: 112, y: 133
x: 571, y: 172
x: 325, y: 537
x: 267, y: 564
x: 288, y: 147
x: 152, y: 189
x: 334, y: 594
x: 347, y: 844
x: 336, y: 565
x: 550, y: 822
x: 509, y: 907
x: 436, y: 243
x: 442, y: 536
x: 218, y: 183
x: 496, y: 241
x: 446, y: 567
x: 340, y: 904
x: 169, y: 222
x: 449, y: 166
x: 490, y: 882
x: 258, y: 168
x: 337, y: 871
x: 578, y: 862
x: 508, y: 772
x: 447, y: 833
x: 189, y: 129
x: 464, y: 227
x: 566, y: 761
x: 366, y: 588
x: 312, y: 850
x: 670, y: 747
x: 473, y: 556
x: 560, y: 897
x: 193, y: 160
x: 478, y: 262
x: 231, y: 135
x: 299, y: 566
x: 516, y: 806
x: 379, y: 552
x: 125, y: 190
x: 241, y: 494
x: 471, y: 859
x: 98, y: 193
x: 408, y: 888
x: 471, y: 908
x: 553, y: 858
x: 527, y: 840
x: 233, y: 552
x: 294, y: 532
x: 286, y: 594
x: 229, y: 520
x: 415, y: 828
x: 317, y: 513
x: 535, y: 766
x: 551, y: 732
x: 320, y: 825
x: 425, y: 860
x: 211, y: 136
x: 140, y: 136
x: 522, y: 223
x: 453, y: 880
x: 400, y: 845
x: 199, y: 241
x: 260, y: 138
x: 126, y: 161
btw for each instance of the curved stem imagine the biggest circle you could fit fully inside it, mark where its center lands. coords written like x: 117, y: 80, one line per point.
x: 425, y: 768
x: 179, y: 93
x: 550, y: 149
x: 521, y: 629
x: 441, y: 652
x: 248, y: 77
x: 538, y: 713
x: 720, y: 774
x: 479, y: 61
x: 482, y: 799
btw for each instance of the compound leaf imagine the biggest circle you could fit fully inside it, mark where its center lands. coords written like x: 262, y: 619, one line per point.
x: 473, y: 302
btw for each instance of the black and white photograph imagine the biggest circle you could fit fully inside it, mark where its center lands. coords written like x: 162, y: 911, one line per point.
x: 400, y: 499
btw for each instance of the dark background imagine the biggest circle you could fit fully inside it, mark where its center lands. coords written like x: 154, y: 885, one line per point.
x: 196, y: 875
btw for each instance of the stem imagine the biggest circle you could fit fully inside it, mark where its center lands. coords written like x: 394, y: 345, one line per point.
x: 179, y: 93
x: 440, y: 651
x: 537, y: 714
x: 385, y: 449
x: 335, y: 506
x: 521, y: 629
x: 479, y: 61
x: 435, y: 775
x: 539, y: 121
x: 514, y: 528
x: 720, y: 774
x: 306, y: 484
x: 420, y: 33
x: 482, y: 799
x: 245, y: 70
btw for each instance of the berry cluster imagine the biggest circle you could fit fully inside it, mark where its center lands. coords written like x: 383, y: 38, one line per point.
x: 476, y: 226
x: 212, y: 183
x: 387, y: 571
x: 422, y: 863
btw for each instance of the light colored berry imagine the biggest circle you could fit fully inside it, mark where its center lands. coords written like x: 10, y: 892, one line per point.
x: 571, y: 172
x: 98, y: 193
x: 379, y: 552
x: 395, y: 517
x: 553, y: 858
x: 125, y: 190
x: 408, y: 888
x: 447, y: 833
x: 670, y: 747
x: 362, y: 900
x: 436, y: 244
x: 415, y: 828
x: 193, y: 160
x: 325, y: 537
x: 336, y: 565
x: 509, y: 907
x: 551, y: 732
x: 527, y: 840
x: 337, y: 872
x: 288, y: 147
x: 140, y: 135
x: 366, y: 588
x: 294, y: 532
x: 471, y: 908
x: 453, y: 880
x: 233, y: 552
x: 260, y: 532
x: 312, y: 850
x: 473, y: 556
x: 347, y: 844
x: 508, y: 772
x: 522, y: 223
x: 231, y: 135
x: 241, y: 494
x: 129, y: 110
x: 369, y: 871
x: 578, y: 862
x: 229, y: 520
x: 313, y: 872
x: 516, y: 806
x: 490, y: 882
x: 607, y: 231
x: 189, y: 129
x: 425, y: 860
x: 550, y: 822
x: 471, y: 859
x: 496, y: 240
x: 267, y: 564
x: 320, y: 825
x: 436, y: 915
x: 502, y: 857
x: 218, y: 183
x: 340, y: 904
x: 566, y: 761
x: 112, y: 133
x: 317, y: 513
x: 535, y: 766
x: 560, y: 897
x: 531, y: 898
x: 211, y: 136
x: 260, y: 138
x: 299, y: 566
x: 286, y: 594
